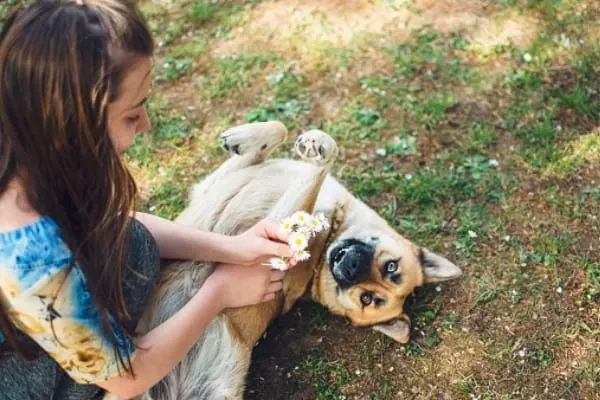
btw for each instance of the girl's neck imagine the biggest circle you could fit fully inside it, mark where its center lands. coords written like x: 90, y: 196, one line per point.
x: 15, y: 209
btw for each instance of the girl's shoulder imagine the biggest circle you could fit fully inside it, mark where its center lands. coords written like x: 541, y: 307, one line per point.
x: 36, y: 244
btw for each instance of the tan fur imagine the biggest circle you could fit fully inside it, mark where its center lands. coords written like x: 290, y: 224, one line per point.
x: 247, y: 188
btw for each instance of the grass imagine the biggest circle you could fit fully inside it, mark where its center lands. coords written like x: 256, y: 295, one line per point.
x: 329, y: 377
x: 487, y: 154
x: 234, y: 73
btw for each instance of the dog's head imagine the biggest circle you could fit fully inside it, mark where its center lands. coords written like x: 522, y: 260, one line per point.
x: 369, y: 272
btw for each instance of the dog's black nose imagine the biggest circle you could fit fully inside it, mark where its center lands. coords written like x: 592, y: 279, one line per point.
x: 351, y: 261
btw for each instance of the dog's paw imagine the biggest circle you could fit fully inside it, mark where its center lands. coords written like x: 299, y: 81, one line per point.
x: 316, y: 146
x: 258, y: 136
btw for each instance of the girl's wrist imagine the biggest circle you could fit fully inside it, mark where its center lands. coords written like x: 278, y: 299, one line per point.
x: 227, y: 249
x: 211, y: 292
x: 215, y: 247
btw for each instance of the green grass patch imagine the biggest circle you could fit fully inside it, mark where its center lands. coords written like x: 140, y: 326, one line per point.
x: 234, y: 73
x: 403, y: 145
x: 290, y: 99
x: 168, y: 198
x: 429, y: 111
x: 218, y: 16
x: 547, y: 102
x: 329, y: 377
x: 539, y: 358
x: 470, y: 178
x: 172, y: 68
x: 166, y: 31
x: 469, y: 388
x: 591, y: 268
x: 481, y: 138
x: 202, y: 11
x: 167, y: 133
x: 433, y: 56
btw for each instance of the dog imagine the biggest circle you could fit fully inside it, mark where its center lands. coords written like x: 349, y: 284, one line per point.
x: 360, y: 268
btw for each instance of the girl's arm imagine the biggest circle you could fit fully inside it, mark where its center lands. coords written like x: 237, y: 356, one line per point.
x: 176, y: 241
x: 161, y: 349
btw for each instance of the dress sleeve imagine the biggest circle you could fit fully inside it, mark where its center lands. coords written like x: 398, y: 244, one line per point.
x: 68, y: 329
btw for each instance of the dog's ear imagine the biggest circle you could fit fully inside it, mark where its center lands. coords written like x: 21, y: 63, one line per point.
x: 399, y: 329
x: 437, y: 268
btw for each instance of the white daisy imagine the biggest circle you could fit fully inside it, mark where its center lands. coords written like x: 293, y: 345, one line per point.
x: 302, y: 255
x: 315, y: 224
x: 278, y: 263
x: 301, y: 218
x: 298, y: 241
x: 287, y: 225
x: 305, y: 231
x: 324, y: 223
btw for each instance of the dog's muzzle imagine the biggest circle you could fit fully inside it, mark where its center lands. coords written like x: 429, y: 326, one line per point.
x: 350, y: 262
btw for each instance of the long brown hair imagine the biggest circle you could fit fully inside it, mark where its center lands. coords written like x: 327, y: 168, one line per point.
x: 61, y: 64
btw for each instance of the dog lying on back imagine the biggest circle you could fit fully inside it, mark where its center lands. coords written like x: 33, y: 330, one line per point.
x: 360, y: 268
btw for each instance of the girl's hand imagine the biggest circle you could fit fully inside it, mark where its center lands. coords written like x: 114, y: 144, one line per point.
x: 240, y: 285
x: 259, y: 243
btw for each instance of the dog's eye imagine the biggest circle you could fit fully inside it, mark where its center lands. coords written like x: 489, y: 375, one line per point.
x: 391, y: 267
x: 366, y: 298
x: 379, y: 302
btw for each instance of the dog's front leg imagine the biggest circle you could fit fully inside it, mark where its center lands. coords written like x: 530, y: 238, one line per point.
x: 320, y: 149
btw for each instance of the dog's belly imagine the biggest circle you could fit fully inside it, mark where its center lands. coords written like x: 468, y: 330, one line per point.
x: 245, y: 196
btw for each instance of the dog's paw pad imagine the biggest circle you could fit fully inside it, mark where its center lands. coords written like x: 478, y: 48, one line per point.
x: 258, y: 136
x: 232, y: 148
x: 316, y: 146
x: 233, y: 143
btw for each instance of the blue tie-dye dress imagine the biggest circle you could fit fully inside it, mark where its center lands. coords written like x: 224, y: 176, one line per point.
x: 34, y: 263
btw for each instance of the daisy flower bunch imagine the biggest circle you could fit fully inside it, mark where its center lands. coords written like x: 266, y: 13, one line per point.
x: 300, y: 228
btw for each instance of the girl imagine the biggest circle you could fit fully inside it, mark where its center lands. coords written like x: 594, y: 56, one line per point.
x: 77, y: 263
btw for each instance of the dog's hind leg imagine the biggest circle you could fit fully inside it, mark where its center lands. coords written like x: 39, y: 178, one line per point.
x: 248, y: 144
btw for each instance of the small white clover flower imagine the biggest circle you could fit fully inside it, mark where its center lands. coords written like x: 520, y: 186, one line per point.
x: 298, y: 241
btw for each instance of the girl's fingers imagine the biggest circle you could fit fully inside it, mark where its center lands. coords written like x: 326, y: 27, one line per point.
x: 268, y: 297
x: 275, y: 287
x: 277, y: 275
